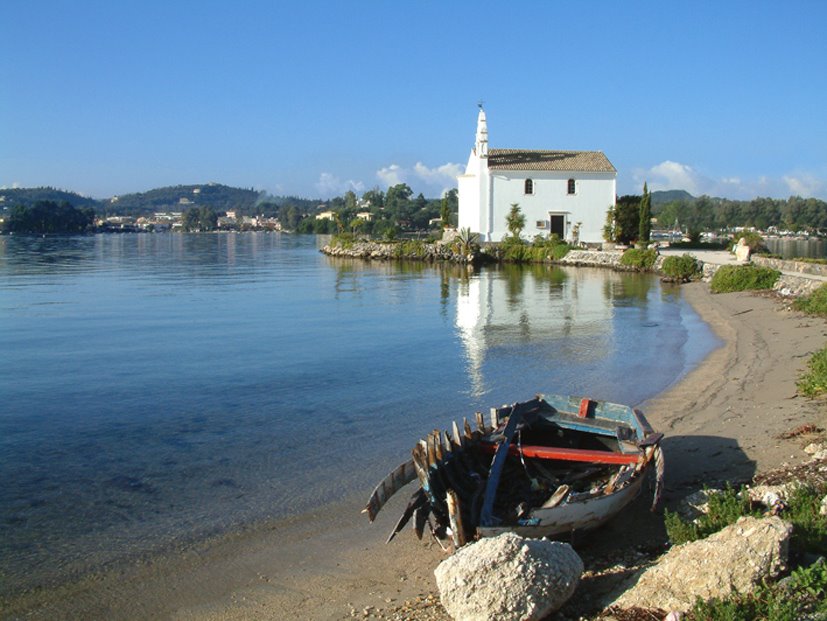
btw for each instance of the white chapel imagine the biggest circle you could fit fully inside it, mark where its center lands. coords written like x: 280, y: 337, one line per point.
x: 556, y: 191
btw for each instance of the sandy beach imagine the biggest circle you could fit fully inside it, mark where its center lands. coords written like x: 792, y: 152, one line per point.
x: 723, y: 422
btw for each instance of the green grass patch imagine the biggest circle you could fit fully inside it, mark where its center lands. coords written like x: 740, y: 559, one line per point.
x: 809, y: 526
x: 725, y: 508
x: 815, y: 303
x: 730, y: 278
x: 803, y: 593
x: 810, y: 260
x: 804, y: 596
x: 639, y: 259
x: 683, y: 268
x: 410, y: 248
x: 540, y: 251
x: 343, y: 240
x: 814, y: 381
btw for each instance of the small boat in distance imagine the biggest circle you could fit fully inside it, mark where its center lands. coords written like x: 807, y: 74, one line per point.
x: 546, y: 467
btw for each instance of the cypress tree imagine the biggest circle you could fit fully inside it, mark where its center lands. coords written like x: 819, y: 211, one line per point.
x: 645, y: 229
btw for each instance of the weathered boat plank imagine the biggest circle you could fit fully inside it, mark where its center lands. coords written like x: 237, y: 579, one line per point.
x: 398, y: 478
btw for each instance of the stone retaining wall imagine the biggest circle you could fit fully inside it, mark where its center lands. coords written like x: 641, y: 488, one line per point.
x: 783, y: 265
x: 795, y: 286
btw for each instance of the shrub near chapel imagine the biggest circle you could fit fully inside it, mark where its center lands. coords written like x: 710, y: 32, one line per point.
x: 681, y: 269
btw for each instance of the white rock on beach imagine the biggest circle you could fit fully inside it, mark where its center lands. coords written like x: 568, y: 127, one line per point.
x: 508, y: 578
x: 696, y: 504
x: 735, y: 559
x: 771, y: 496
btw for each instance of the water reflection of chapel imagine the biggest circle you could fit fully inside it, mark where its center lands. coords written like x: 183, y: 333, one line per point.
x: 554, y: 309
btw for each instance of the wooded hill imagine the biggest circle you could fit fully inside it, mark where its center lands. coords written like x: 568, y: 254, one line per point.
x: 27, y: 197
x: 218, y: 197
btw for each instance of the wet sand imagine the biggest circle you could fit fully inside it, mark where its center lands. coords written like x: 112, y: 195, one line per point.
x: 723, y: 421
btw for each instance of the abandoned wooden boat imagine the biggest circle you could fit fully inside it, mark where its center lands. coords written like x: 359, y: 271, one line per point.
x: 542, y: 468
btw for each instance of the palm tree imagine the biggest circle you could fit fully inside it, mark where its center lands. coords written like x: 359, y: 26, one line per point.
x: 515, y: 221
x: 465, y: 243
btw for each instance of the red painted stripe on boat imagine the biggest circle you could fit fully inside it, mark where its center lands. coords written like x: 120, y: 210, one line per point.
x: 569, y: 454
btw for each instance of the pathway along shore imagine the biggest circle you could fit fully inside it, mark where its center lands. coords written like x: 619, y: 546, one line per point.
x: 723, y: 421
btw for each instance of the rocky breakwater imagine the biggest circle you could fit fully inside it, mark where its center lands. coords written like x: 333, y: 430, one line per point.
x: 413, y: 250
x: 603, y: 258
x: 593, y: 258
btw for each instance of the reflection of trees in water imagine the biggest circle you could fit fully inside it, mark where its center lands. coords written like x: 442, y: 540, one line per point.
x: 628, y: 288
x: 514, y: 285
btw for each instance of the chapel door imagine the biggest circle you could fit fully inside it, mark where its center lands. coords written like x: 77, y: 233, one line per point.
x: 558, y: 225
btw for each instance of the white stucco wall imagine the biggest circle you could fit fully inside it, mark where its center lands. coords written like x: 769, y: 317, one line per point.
x: 474, y: 191
x: 469, y: 203
x: 594, y: 193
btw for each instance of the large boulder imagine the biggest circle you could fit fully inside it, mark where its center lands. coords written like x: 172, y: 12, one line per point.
x: 736, y: 558
x: 742, y: 251
x: 508, y: 578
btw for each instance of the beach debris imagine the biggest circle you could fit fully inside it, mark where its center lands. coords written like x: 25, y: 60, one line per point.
x: 813, y: 448
x: 508, y: 578
x: 773, y: 497
x: 801, y: 430
x: 816, y: 450
x: 737, y: 558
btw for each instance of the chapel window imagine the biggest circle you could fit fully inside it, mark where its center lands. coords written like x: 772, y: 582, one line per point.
x: 529, y: 186
x: 571, y: 186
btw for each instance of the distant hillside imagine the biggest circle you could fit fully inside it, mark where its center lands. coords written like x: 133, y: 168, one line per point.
x: 27, y: 197
x: 661, y: 197
x: 180, y: 197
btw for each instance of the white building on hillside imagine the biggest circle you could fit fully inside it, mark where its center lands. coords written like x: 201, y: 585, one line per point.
x: 556, y: 190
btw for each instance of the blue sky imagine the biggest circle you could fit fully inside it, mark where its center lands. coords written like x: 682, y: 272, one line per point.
x: 313, y: 98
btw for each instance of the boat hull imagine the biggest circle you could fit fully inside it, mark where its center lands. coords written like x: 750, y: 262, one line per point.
x: 572, y: 517
x: 547, y: 467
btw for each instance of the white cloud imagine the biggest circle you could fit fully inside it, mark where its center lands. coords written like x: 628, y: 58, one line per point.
x: 14, y: 186
x: 330, y: 185
x: 804, y: 185
x: 391, y: 175
x: 430, y: 181
x: 670, y: 175
x: 445, y: 174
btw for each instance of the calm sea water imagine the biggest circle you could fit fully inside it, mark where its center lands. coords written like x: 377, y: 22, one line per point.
x: 158, y: 389
x: 793, y: 248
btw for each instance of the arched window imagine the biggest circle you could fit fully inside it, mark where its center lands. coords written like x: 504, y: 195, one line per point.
x: 571, y: 186
x: 529, y: 186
